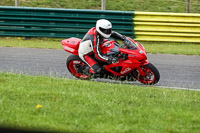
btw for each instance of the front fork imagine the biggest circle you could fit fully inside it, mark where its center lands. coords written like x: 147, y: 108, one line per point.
x: 142, y: 73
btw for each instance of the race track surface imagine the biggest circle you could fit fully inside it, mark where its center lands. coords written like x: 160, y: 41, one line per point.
x: 179, y: 71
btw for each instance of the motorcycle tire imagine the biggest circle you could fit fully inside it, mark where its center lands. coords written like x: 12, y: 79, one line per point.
x: 72, y: 62
x: 152, y: 74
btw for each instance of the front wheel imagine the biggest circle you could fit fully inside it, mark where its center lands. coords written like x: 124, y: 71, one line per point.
x: 73, y: 64
x: 151, y: 77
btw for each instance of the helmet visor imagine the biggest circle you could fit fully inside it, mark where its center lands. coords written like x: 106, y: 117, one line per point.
x: 105, y: 31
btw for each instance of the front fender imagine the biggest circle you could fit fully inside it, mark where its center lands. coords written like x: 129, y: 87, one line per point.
x: 145, y: 62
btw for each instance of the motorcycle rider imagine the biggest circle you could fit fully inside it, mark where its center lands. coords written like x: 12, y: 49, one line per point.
x: 91, y: 43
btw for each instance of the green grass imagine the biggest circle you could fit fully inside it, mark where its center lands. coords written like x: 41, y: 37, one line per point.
x: 88, y: 106
x: 172, y: 48
x: 151, y: 47
x: 21, y: 42
x: 178, y: 6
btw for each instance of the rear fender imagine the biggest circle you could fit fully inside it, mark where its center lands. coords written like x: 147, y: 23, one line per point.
x: 71, y: 45
x: 70, y: 50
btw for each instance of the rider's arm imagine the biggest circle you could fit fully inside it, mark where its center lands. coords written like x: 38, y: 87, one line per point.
x: 118, y: 36
x: 97, y: 50
x: 106, y: 58
x: 121, y: 37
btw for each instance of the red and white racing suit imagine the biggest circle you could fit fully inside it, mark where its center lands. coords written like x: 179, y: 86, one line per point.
x: 91, y: 44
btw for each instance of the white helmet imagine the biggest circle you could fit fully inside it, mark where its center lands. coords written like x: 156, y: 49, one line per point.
x: 104, y: 27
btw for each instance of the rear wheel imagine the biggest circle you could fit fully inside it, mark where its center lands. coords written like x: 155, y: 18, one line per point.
x: 73, y: 64
x: 151, y: 77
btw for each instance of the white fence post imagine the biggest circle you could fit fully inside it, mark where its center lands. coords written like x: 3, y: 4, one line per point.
x: 16, y: 2
x: 103, y: 4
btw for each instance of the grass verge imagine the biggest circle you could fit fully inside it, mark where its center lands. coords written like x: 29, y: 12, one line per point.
x: 128, y: 5
x: 151, y: 47
x: 172, y: 48
x: 88, y: 106
x: 21, y: 42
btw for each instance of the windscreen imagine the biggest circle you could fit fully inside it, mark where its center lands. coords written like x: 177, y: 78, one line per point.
x: 132, y: 45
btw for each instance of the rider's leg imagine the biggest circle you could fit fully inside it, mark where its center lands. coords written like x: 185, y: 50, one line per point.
x: 92, y: 63
x: 84, y: 51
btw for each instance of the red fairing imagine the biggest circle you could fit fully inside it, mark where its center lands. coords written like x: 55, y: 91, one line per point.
x: 107, y: 46
x: 127, y: 66
x: 71, y: 45
x: 136, y: 58
x: 135, y: 54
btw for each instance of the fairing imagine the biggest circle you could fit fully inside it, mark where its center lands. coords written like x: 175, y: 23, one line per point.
x: 110, y: 48
x: 136, y: 57
x: 71, y: 45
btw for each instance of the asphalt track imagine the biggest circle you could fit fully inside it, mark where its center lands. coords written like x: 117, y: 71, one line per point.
x: 176, y: 71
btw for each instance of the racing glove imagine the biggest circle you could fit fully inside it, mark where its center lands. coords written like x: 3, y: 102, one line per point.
x: 127, y: 42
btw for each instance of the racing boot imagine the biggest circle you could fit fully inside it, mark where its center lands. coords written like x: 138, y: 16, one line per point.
x: 96, y: 72
x: 83, y: 69
x: 87, y: 71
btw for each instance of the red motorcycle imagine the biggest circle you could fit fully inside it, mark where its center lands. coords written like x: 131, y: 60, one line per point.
x: 133, y: 64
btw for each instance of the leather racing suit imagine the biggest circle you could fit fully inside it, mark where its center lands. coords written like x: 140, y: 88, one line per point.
x: 90, y: 44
